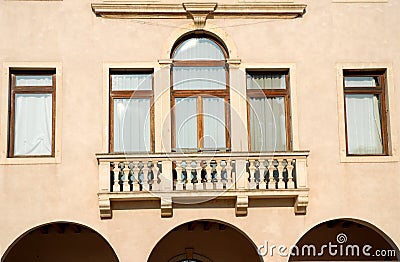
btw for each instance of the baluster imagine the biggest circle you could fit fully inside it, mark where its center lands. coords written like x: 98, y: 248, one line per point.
x: 252, y: 169
x: 189, y: 177
x: 135, y: 176
x: 229, y: 180
x: 199, y: 185
x: 271, y: 169
x: 116, y: 170
x: 146, y: 182
x: 262, y: 184
x: 209, y: 183
x: 125, y: 181
x: 218, y: 168
x: 180, y: 179
x: 281, y: 167
x: 155, y: 185
x: 289, y: 168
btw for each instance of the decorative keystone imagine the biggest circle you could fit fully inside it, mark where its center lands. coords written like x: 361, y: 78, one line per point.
x: 199, y: 12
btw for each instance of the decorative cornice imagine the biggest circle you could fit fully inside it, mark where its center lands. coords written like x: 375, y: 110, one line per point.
x: 199, y: 12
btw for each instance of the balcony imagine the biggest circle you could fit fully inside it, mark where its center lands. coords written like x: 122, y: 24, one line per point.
x: 199, y: 177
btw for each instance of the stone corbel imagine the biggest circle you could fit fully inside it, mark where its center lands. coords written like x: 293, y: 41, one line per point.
x: 300, y: 206
x: 242, y: 203
x: 105, y: 207
x: 166, y: 207
x: 199, y: 12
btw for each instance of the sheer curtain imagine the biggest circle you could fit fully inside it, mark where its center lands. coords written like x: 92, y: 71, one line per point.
x: 34, y: 80
x: 186, y: 122
x: 132, y: 125
x: 199, y: 78
x: 132, y: 82
x: 199, y: 49
x: 266, y: 81
x: 33, y: 124
x: 268, y: 124
x: 363, y: 119
x: 214, y: 123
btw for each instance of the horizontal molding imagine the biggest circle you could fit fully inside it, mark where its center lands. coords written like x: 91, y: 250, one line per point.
x: 359, y: 1
x: 186, y: 10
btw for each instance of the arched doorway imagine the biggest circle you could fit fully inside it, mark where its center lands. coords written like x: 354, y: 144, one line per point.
x: 344, y: 240
x: 60, y: 241
x: 205, y: 241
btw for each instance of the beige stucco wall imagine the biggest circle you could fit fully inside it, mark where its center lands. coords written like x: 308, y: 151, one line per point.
x: 67, y: 32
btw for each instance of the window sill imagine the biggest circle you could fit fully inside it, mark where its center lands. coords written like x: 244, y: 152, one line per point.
x: 30, y: 160
x: 368, y: 159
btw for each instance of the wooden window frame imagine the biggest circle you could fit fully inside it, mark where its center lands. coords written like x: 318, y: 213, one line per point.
x: 200, y: 94
x: 379, y: 90
x: 126, y: 94
x: 270, y: 93
x: 30, y: 90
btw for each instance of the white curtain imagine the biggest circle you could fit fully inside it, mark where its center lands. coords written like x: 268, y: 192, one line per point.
x: 360, y: 81
x: 186, y: 122
x: 268, y: 124
x: 364, y: 135
x: 266, y: 81
x: 199, y: 78
x: 33, y: 124
x: 199, y: 49
x: 131, y: 82
x: 132, y: 125
x: 214, y: 122
x: 35, y: 80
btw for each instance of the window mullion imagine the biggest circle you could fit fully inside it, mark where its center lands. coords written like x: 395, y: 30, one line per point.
x: 200, y: 122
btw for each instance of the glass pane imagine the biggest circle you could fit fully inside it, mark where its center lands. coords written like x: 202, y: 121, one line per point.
x: 199, y: 49
x: 199, y: 78
x: 132, y: 125
x: 132, y: 82
x: 268, y: 124
x: 361, y: 81
x: 33, y: 124
x: 186, y: 122
x: 214, y: 122
x: 363, y: 120
x: 266, y: 81
x: 34, y: 80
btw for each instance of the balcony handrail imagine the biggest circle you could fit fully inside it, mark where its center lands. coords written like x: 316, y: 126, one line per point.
x: 110, y: 157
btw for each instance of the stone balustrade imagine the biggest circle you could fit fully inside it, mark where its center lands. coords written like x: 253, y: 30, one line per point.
x: 170, y: 176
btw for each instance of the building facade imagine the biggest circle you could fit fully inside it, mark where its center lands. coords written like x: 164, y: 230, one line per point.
x: 162, y: 130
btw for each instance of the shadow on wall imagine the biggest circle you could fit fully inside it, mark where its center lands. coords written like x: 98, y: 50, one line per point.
x: 345, y: 240
x: 204, y: 240
x: 60, y: 242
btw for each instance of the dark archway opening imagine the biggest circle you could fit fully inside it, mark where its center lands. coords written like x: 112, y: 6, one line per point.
x: 344, y: 240
x: 205, y: 241
x: 60, y: 241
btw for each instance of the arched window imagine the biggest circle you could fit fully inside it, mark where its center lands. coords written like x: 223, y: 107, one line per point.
x: 200, y: 95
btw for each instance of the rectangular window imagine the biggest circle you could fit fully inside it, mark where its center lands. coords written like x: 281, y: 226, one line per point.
x: 268, y: 110
x: 365, y: 107
x: 131, y: 116
x: 32, y: 113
